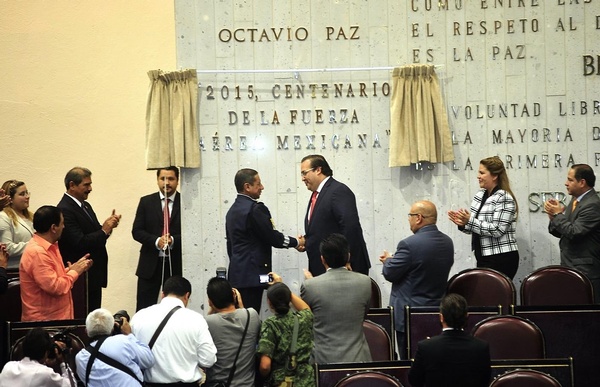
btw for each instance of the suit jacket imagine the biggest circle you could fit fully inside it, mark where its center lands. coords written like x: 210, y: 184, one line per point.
x: 579, y: 233
x: 148, y: 227
x: 419, y: 270
x: 250, y: 235
x: 83, y: 234
x: 335, y: 212
x: 339, y: 300
x: 454, y: 358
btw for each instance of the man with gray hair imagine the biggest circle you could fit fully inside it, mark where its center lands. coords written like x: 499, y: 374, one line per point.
x: 112, y: 359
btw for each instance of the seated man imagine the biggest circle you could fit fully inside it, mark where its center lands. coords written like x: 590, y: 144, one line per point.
x: 34, y: 369
x: 227, y: 320
x: 183, y: 345
x: 454, y: 358
x: 124, y: 348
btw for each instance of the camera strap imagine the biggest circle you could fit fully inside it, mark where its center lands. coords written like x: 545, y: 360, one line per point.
x: 95, y: 353
x: 161, y: 326
x: 232, y: 371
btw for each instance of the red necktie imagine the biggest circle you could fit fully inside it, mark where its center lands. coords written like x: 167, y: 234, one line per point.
x: 166, y: 217
x: 313, y: 200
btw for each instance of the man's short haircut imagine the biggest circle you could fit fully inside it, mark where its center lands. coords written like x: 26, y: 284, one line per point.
x: 334, y: 250
x: 454, y: 308
x: 171, y: 168
x: 177, y: 286
x: 319, y: 161
x: 584, y: 171
x: 220, y: 292
x: 36, y: 343
x: 99, y: 322
x: 280, y: 296
x: 244, y: 176
x: 45, y: 217
x: 76, y: 175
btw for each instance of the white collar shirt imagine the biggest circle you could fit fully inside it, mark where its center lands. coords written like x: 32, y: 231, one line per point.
x: 29, y: 372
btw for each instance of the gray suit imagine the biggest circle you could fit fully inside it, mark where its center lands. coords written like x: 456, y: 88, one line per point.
x: 339, y: 300
x: 579, y: 233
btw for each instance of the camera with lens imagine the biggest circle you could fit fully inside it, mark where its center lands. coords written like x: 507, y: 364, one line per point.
x: 63, y: 337
x: 119, y: 316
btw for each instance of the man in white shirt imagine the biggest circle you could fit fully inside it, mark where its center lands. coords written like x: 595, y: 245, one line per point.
x: 183, y: 345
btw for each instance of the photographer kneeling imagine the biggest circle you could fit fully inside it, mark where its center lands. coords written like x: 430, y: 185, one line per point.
x: 35, y: 368
x: 115, y: 357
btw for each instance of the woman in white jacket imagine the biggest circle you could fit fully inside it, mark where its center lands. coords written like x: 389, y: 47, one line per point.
x: 16, y: 221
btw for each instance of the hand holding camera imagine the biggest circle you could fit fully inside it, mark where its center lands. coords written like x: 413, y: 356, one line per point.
x: 122, y: 323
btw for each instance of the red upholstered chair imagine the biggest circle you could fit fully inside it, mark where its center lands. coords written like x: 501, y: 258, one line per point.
x: 525, y: 378
x: 379, y: 341
x: 556, y: 285
x: 10, y: 301
x: 375, y: 295
x: 484, y: 287
x: 511, y: 337
x: 369, y: 379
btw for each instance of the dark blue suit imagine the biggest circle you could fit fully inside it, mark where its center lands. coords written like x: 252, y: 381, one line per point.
x: 335, y: 212
x: 250, y: 235
x: 452, y: 359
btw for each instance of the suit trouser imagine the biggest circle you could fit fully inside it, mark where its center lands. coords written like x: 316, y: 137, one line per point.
x: 252, y: 297
x: 148, y: 289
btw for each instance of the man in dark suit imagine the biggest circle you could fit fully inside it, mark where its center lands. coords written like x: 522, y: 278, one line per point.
x: 83, y: 233
x: 419, y: 269
x: 578, y: 225
x: 160, y: 254
x: 331, y: 209
x: 454, y: 358
x: 251, y: 233
x: 339, y: 300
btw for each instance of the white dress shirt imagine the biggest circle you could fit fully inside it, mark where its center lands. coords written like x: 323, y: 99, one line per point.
x: 27, y: 372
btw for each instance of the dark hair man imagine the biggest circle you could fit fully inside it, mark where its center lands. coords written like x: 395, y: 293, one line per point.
x: 35, y: 368
x: 454, y: 358
x: 45, y: 282
x: 339, y: 300
x: 183, y: 346
x: 419, y: 268
x: 578, y: 225
x: 160, y: 253
x: 124, y: 348
x: 83, y: 233
x: 251, y: 233
x: 331, y: 209
x: 227, y: 319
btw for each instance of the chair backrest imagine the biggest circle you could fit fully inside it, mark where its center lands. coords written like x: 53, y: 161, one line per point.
x: 547, y: 285
x: 525, y: 377
x: 10, y: 301
x: 484, y: 287
x: 375, y: 295
x: 379, y: 341
x: 385, y: 318
x: 511, y: 337
x: 369, y: 379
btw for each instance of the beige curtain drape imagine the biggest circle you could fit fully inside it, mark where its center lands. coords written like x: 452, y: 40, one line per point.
x: 418, y: 122
x: 171, y: 128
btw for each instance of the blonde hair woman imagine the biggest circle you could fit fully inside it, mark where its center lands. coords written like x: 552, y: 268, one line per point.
x: 16, y: 221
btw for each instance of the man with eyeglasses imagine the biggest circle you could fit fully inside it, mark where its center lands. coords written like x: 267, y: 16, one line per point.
x: 419, y: 269
x: 331, y: 209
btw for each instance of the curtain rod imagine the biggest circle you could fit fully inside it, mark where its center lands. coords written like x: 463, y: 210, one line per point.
x: 295, y: 71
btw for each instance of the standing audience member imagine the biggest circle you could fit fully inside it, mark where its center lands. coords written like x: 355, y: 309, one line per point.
x: 419, y: 268
x: 35, y: 369
x: 3, y: 264
x: 122, y: 347
x: 45, y: 282
x: 184, y: 344
x: 578, y: 225
x: 454, y: 358
x: 16, y: 221
x: 331, y: 209
x: 160, y: 254
x: 492, y: 219
x: 227, y: 320
x: 339, y: 300
x: 276, y: 338
x: 251, y: 233
x: 83, y: 233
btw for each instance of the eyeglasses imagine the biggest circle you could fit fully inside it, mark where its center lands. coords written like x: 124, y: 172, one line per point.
x: 305, y: 172
x: 422, y: 216
x: 24, y: 193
